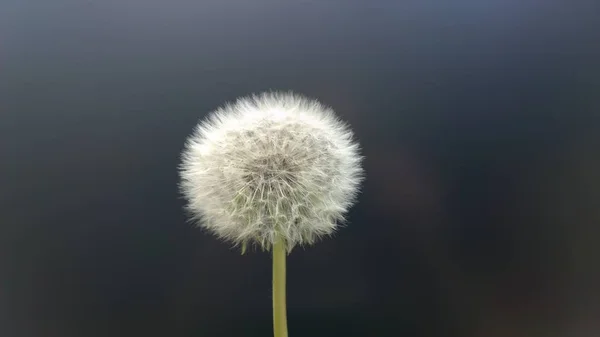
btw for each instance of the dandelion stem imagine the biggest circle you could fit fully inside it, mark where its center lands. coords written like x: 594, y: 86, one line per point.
x: 279, y: 290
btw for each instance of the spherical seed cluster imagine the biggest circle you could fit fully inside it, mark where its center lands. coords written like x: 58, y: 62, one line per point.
x: 275, y: 166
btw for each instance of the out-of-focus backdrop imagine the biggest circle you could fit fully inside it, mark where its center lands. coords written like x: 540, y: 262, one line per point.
x: 479, y: 120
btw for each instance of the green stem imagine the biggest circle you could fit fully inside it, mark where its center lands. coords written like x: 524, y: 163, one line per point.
x: 279, y: 306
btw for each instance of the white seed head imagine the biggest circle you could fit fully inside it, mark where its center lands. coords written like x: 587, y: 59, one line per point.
x: 274, y: 166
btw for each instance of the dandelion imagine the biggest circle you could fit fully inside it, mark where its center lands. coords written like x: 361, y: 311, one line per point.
x: 275, y: 170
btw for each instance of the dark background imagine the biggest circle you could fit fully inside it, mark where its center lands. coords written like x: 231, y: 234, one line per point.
x: 479, y: 120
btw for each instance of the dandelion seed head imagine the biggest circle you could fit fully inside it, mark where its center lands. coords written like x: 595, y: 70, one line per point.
x: 268, y: 167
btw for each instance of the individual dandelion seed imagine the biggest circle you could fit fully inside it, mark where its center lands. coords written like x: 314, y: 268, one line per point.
x: 274, y: 170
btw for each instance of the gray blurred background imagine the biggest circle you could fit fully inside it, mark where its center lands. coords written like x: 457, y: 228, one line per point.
x: 479, y: 120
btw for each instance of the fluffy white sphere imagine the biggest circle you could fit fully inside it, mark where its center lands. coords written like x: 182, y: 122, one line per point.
x: 274, y: 166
